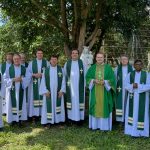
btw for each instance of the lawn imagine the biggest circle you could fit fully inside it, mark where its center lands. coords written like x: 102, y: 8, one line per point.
x: 36, y: 137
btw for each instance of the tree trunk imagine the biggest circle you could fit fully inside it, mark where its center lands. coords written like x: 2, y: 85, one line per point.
x: 66, y: 50
x: 81, y: 42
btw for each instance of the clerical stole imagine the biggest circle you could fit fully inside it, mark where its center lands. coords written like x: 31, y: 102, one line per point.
x: 142, y: 100
x: 37, y: 99
x: 119, y: 92
x: 13, y: 90
x: 48, y: 99
x: 81, y: 84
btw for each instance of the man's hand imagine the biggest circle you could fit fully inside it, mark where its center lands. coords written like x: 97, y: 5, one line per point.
x: 47, y: 94
x: 102, y: 82
x: 37, y: 75
x: 60, y: 94
x: 135, y: 85
x: 96, y: 81
x: 17, y: 79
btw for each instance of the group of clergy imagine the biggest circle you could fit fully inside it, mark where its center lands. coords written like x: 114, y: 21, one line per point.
x: 44, y: 91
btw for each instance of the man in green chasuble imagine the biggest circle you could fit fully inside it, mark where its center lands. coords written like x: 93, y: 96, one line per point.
x: 100, y: 79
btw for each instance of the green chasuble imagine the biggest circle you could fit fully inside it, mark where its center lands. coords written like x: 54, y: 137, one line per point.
x: 142, y: 101
x: 101, y: 101
x: 119, y: 92
x: 13, y: 90
x: 36, y: 97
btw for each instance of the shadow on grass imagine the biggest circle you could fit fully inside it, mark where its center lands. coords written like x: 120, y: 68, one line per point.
x: 71, y: 137
x: 76, y: 137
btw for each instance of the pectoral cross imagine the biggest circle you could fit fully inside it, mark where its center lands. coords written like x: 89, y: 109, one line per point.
x: 59, y: 74
x: 35, y: 81
x: 131, y: 95
x: 119, y: 89
x: 81, y: 70
x: 68, y: 83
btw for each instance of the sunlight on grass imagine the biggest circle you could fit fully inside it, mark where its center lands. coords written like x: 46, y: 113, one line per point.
x: 72, y: 137
x: 71, y: 148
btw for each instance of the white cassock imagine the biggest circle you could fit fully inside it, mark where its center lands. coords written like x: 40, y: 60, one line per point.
x: 75, y: 114
x: 132, y: 129
x: 8, y: 82
x: 1, y: 120
x: 56, y: 118
x: 124, y: 73
x: 3, y: 90
x: 33, y: 111
x: 100, y: 123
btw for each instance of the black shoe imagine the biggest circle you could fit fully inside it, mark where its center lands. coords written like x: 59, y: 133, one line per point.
x: 20, y: 124
x: 1, y: 129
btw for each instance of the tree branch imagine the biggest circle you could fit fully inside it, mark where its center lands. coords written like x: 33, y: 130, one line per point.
x: 97, y: 24
x: 56, y: 22
x: 63, y: 17
x: 85, y: 8
x: 94, y: 39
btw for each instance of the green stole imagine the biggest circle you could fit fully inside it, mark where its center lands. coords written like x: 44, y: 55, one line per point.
x: 142, y: 101
x: 81, y: 84
x: 3, y: 68
x: 13, y: 90
x: 26, y: 64
x: 101, y: 101
x: 119, y: 92
x: 48, y: 99
x: 37, y: 99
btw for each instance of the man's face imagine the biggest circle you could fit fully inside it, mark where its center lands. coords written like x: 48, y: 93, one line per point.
x: 124, y: 60
x: 9, y: 58
x: 53, y: 61
x: 39, y: 55
x: 23, y: 59
x: 16, y: 60
x: 74, y: 55
x: 138, y: 66
x: 100, y: 58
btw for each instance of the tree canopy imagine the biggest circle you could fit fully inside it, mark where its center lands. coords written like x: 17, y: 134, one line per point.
x: 73, y: 23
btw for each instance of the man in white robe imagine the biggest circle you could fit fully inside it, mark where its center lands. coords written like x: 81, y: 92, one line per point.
x: 23, y: 60
x: 55, y: 76
x: 137, y: 110
x: 121, y: 72
x: 16, y: 82
x: 75, y: 72
x: 36, y: 68
x: 1, y: 121
x: 4, y: 67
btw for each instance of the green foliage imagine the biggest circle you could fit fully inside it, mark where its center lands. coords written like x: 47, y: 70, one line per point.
x: 39, y: 23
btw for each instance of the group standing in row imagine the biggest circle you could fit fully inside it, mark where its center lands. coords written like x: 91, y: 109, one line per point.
x: 44, y: 90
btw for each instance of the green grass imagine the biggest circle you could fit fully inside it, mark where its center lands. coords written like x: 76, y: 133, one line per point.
x: 35, y: 137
